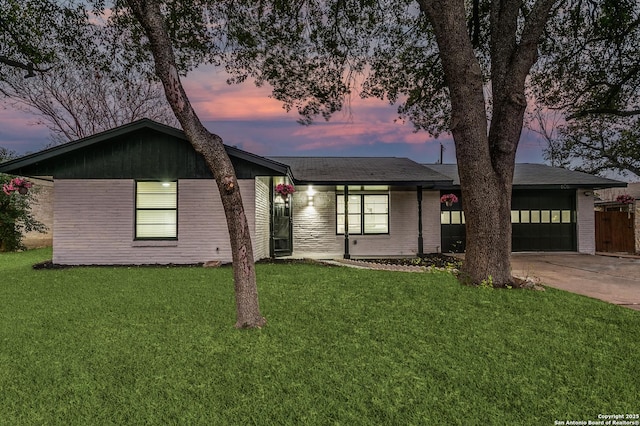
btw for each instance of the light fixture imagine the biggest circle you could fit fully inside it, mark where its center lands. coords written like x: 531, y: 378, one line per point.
x: 166, y: 184
x: 310, y: 194
x: 588, y: 193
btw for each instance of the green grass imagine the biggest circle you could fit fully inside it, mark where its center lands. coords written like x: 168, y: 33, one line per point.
x: 342, y: 346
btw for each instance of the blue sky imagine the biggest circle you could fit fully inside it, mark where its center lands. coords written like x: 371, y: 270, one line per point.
x: 245, y: 116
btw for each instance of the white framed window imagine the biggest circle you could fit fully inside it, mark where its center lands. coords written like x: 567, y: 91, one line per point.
x: 156, y: 210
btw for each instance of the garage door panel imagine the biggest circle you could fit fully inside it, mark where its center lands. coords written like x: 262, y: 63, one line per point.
x: 542, y: 220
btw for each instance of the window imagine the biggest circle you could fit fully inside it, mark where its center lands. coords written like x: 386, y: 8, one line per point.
x: 368, y: 214
x: 156, y: 210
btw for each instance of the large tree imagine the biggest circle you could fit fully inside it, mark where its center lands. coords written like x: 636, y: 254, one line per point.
x: 33, y: 31
x: 149, y: 16
x: 456, y: 66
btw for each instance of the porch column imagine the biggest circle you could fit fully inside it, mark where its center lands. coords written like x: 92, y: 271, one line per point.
x: 346, y: 223
x: 272, y: 251
x: 420, y: 239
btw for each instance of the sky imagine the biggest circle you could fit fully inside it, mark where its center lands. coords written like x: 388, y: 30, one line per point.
x: 246, y: 117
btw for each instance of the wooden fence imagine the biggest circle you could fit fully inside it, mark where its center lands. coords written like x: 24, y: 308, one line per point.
x: 614, y: 232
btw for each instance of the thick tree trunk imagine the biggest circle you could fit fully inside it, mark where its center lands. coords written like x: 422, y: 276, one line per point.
x: 212, y: 149
x: 486, y: 157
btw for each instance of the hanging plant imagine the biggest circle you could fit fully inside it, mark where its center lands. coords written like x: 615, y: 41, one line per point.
x: 449, y: 199
x: 284, y: 189
x: 625, y: 199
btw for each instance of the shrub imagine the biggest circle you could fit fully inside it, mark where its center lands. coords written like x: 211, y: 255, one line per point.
x: 16, y: 217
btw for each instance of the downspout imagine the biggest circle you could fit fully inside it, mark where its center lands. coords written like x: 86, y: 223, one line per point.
x: 346, y: 223
x: 420, y: 239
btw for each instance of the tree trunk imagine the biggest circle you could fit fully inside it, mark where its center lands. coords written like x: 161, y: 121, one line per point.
x: 486, y: 156
x: 212, y: 149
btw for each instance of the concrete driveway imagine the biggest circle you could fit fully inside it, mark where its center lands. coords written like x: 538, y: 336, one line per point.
x: 612, y: 279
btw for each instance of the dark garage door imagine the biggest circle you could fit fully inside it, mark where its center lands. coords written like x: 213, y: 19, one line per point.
x: 541, y: 221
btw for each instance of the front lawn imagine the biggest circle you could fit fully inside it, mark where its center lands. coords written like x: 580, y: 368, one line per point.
x: 156, y: 345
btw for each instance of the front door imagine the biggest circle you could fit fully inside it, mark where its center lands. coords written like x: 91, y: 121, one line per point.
x: 282, y: 233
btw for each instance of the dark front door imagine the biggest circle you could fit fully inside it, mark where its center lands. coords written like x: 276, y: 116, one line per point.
x: 282, y: 234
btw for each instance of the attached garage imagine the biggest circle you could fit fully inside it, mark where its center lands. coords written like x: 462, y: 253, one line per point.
x: 551, y: 208
x: 543, y: 220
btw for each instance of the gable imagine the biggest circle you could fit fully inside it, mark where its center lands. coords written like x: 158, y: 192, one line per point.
x: 140, y: 150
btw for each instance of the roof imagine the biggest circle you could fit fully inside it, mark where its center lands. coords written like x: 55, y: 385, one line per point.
x: 361, y: 170
x: 541, y: 176
x: 138, y: 148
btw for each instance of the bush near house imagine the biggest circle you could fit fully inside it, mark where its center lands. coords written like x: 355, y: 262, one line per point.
x: 16, y: 218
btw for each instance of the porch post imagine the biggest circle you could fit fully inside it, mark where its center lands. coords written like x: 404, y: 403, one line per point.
x: 346, y: 223
x: 272, y: 251
x: 420, y: 239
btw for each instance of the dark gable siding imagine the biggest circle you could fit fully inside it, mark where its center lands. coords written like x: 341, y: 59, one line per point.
x: 141, y: 154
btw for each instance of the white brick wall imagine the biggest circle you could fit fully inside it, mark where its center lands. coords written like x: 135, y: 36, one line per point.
x: 94, y: 224
x: 586, y: 226
x: 636, y: 218
x: 314, y: 227
x: 431, y: 234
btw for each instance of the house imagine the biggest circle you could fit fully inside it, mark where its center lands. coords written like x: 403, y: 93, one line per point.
x: 617, y: 222
x: 139, y: 194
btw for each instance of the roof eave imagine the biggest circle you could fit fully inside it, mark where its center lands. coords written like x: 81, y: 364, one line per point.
x: 424, y: 184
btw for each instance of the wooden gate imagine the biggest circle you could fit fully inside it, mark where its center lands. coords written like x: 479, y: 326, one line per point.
x: 614, y: 232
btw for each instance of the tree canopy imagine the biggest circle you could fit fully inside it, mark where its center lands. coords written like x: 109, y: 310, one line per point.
x: 590, y: 72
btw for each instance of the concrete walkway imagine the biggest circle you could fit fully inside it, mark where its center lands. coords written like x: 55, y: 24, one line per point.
x: 612, y: 279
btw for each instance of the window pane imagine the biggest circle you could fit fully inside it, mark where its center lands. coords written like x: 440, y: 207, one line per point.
x: 376, y: 224
x: 545, y: 216
x: 376, y: 204
x: 515, y: 216
x: 535, y: 216
x: 524, y: 216
x: 566, y: 216
x: 555, y: 216
x: 340, y: 224
x: 156, y: 224
x: 355, y: 227
x: 354, y: 204
x: 156, y: 195
x: 444, y: 218
x: 455, y: 218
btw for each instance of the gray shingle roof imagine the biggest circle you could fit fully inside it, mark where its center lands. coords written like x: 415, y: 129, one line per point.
x: 528, y: 175
x: 361, y: 170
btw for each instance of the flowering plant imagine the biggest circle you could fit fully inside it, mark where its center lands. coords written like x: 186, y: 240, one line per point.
x: 16, y: 184
x: 450, y: 198
x: 284, y: 189
x: 625, y: 199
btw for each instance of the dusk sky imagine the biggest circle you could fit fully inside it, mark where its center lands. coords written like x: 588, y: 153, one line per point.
x: 244, y: 116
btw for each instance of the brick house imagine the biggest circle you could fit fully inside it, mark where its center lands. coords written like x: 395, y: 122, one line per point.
x: 139, y: 194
